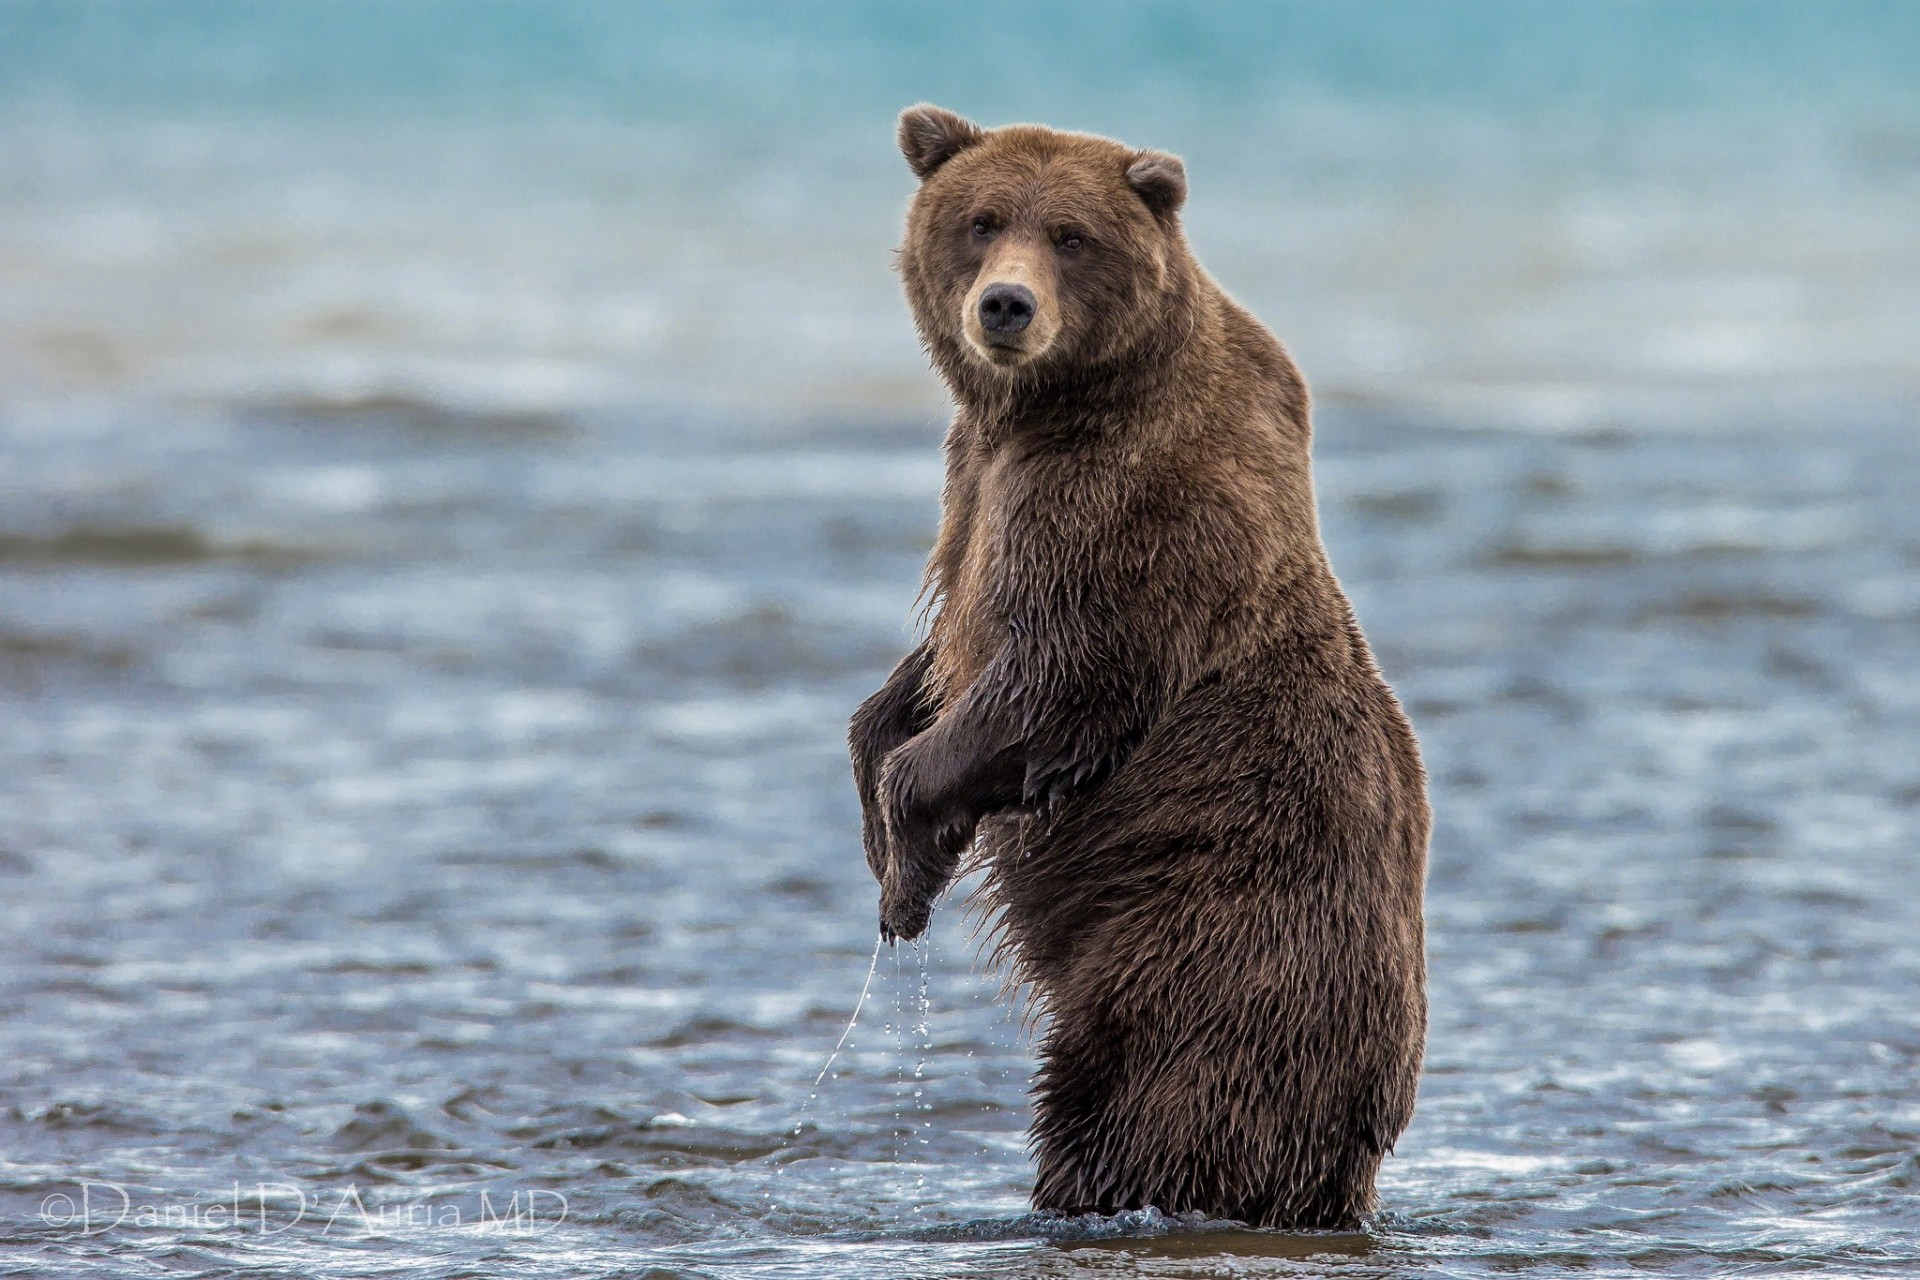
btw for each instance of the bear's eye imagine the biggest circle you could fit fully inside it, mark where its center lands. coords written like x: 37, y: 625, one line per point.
x: 1072, y: 242
x: 982, y: 228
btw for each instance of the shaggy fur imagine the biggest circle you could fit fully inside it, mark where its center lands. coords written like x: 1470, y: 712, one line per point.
x: 1202, y: 812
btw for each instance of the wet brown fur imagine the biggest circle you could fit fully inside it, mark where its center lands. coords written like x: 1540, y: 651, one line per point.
x: 1202, y: 812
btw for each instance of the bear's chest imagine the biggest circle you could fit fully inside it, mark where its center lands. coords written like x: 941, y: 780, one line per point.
x: 972, y: 622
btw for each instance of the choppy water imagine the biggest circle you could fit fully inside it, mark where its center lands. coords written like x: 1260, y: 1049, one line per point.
x: 461, y: 464
x: 421, y: 807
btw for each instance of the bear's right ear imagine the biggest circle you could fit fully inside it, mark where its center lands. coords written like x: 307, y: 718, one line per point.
x: 930, y: 136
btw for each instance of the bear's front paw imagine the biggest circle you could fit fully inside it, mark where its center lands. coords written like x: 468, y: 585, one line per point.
x: 901, y: 918
x: 924, y: 837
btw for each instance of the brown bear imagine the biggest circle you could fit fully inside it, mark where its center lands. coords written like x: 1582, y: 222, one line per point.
x: 1145, y: 704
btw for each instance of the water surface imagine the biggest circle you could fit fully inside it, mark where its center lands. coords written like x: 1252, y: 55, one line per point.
x: 412, y: 809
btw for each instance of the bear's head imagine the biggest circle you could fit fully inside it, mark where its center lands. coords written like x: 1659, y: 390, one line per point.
x: 1029, y: 251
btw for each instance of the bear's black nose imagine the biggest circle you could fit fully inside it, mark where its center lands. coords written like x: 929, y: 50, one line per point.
x: 1006, y: 308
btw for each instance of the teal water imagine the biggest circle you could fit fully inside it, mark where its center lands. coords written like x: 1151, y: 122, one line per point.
x: 731, y: 60
x: 1535, y: 213
x: 460, y: 464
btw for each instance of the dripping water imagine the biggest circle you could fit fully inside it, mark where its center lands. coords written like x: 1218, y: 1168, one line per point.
x: 813, y: 1091
x: 896, y: 1037
x: 922, y: 1105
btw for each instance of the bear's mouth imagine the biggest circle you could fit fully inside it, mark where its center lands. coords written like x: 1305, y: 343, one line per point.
x: 1003, y: 351
x: 1006, y: 350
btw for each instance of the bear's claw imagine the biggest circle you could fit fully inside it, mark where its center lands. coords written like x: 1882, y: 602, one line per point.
x: 897, y: 924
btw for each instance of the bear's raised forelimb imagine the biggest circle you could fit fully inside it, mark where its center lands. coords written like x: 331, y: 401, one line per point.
x: 1011, y: 742
x: 934, y: 790
x: 897, y: 711
x: 1056, y: 711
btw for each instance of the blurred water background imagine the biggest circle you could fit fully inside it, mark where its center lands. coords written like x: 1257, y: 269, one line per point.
x: 460, y: 464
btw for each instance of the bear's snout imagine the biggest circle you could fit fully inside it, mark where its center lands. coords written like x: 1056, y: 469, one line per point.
x: 1009, y: 316
x: 1006, y: 309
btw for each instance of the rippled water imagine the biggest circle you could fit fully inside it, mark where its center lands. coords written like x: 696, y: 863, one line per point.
x: 400, y: 808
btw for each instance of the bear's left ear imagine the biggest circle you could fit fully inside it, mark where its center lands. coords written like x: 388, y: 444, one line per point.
x: 1161, y: 181
x: 930, y: 136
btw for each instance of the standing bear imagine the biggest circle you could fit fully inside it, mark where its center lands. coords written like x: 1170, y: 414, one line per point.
x: 1145, y: 705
